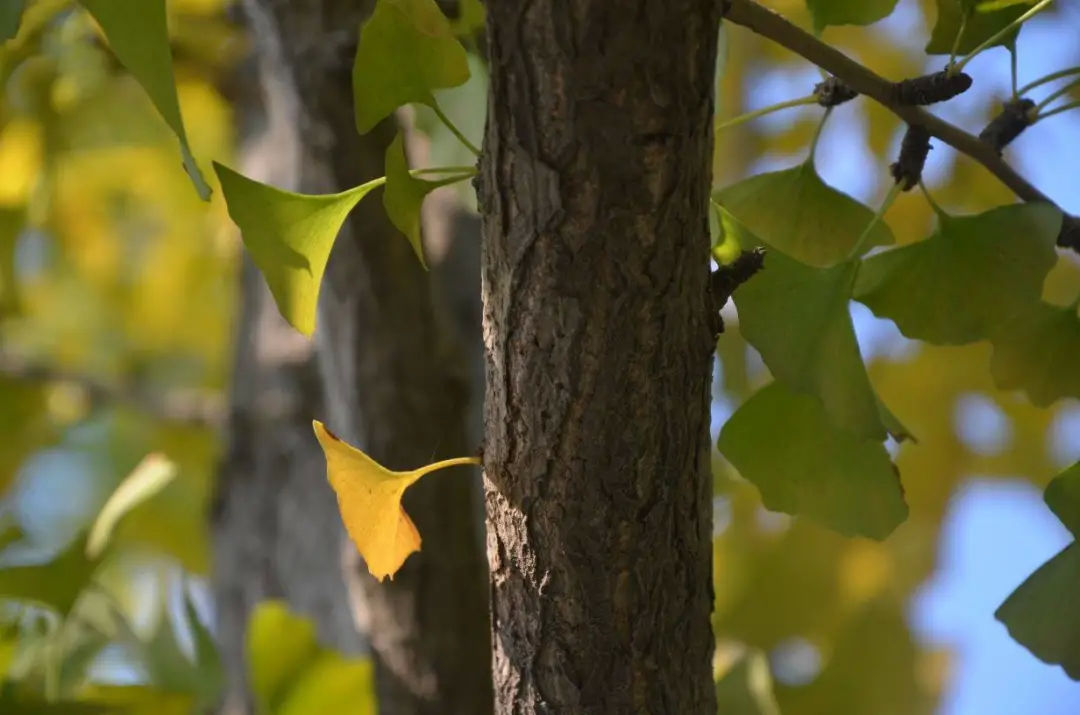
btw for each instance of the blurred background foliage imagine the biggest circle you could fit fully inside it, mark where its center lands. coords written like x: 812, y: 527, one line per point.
x: 118, y: 292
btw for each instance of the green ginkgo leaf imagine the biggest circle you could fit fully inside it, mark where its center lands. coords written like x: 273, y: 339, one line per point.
x: 1043, y: 614
x: 404, y: 194
x: 407, y: 49
x: 1063, y: 497
x: 1036, y: 351
x: 289, y: 237
x: 139, y: 37
x: 10, y: 15
x: 798, y: 318
x: 785, y: 444
x: 795, y: 212
x: 291, y: 674
x: 980, y: 26
x: 972, y: 275
x: 848, y: 12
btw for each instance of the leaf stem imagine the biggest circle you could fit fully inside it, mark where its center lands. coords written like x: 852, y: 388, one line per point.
x: 1012, y: 69
x: 817, y: 135
x: 1048, y: 78
x: 959, y: 38
x: 453, y: 128
x: 1058, y: 110
x: 1064, y: 89
x: 470, y: 170
x: 454, y: 462
x: 930, y: 199
x: 996, y: 37
x: 857, y: 249
x: 742, y: 118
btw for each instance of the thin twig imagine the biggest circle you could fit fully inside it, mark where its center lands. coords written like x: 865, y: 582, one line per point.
x: 768, y: 24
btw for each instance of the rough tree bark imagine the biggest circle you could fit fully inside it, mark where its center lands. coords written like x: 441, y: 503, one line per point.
x: 595, y: 183
x: 394, y: 382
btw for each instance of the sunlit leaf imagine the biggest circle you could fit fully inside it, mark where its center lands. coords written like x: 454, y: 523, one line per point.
x: 973, y: 274
x: 139, y: 37
x: 16, y: 700
x: 289, y: 237
x: 795, y: 212
x: 849, y: 12
x: 1036, y: 351
x: 10, y: 14
x: 980, y: 26
x: 138, y: 700
x: 404, y: 194
x: 291, y: 674
x: 746, y: 688
x: 56, y: 583
x: 1063, y: 498
x: 369, y: 497
x: 407, y: 49
x: 279, y: 646
x: 799, y: 320
x: 148, y: 478
x: 1043, y: 614
x: 784, y: 443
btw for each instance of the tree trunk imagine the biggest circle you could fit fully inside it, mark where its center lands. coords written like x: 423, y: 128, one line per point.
x: 394, y: 379
x: 595, y: 189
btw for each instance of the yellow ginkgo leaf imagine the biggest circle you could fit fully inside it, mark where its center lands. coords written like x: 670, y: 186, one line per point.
x: 369, y: 498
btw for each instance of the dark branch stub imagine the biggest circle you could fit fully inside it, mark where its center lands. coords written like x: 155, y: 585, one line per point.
x: 1015, y: 117
x: 725, y: 279
x: 833, y: 92
x: 931, y: 88
x: 913, y: 152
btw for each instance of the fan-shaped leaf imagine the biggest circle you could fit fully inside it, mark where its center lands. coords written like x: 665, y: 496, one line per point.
x: 969, y: 277
x: 139, y: 37
x: 798, y: 318
x: 1043, y: 614
x: 369, y: 497
x: 289, y: 237
x: 795, y: 212
x: 785, y: 444
x: 1036, y: 351
x: 407, y: 49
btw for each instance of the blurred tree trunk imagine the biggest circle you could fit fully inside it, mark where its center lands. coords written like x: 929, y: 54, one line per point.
x: 595, y: 190
x: 394, y: 381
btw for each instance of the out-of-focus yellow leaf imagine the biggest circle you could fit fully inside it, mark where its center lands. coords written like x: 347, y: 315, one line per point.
x: 138, y: 34
x: 20, y: 160
x: 369, y: 497
x: 745, y: 688
x: 289, y: 237
x: 148, y: 478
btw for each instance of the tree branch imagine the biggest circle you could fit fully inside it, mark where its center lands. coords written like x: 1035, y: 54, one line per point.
x: 768, y: 24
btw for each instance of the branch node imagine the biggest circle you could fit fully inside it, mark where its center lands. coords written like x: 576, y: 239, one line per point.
x: 725, y: 279
x: 1014, y: 118
x: 913, y: 152
x: 931, y: 88
x: 833, y: 92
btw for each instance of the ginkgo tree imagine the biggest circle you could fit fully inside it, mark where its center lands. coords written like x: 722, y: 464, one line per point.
x: 594, y: 186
